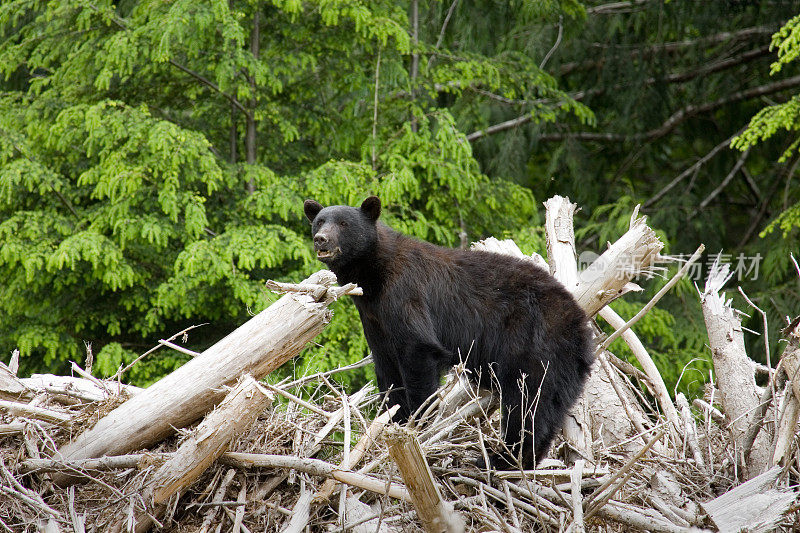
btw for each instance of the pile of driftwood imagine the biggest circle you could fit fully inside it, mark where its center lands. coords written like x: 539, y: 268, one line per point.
x: 211, y: 448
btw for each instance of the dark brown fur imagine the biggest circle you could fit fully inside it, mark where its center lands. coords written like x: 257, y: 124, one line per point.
x: 425, y: 307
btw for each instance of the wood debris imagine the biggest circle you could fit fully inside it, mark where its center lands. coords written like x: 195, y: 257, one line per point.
x: 304, y: 455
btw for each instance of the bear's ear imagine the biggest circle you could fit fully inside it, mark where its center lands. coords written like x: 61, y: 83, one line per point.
x: 371, y: 207
x: 312, y: 209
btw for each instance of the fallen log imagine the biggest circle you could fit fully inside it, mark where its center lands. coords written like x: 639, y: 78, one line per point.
x: 205, y: 444
x: 257, y: 347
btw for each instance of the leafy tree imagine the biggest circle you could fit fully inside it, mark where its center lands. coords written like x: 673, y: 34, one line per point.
x: 154, y: 157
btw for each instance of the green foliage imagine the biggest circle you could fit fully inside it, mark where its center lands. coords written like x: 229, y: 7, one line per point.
x: 153, y: 162
x: 774, y: 118
x: 766, y: 124
x: 154, y: 155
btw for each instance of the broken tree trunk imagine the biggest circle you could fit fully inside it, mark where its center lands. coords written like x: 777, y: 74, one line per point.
x: 11, y: 388
x: 258, y: 347
x: 205, y: 444
x: 600, y: 412
x: 734, y: 370
x: 436, y: 515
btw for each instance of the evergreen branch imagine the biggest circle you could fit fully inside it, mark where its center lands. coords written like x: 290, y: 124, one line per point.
x: 762, y: 210
x: 681, y: 77
x: 686, y: 173
x: 606, y: 137
x: 673, y: 121
x: 674, y: 46
x: 723, y: 64
x: 707, y: 200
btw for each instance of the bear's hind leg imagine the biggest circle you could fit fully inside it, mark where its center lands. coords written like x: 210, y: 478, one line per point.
x: 530, y: 418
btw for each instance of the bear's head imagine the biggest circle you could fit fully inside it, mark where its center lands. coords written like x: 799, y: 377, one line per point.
x: 343, y: 234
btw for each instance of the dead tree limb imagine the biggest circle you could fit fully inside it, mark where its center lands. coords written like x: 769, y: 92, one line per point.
x: 205, y: 444
x: 436, y: 515
x: 257, y: 347
x: 734, y: 370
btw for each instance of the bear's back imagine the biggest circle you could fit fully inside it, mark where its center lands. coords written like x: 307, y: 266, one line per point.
x: 472, y: 297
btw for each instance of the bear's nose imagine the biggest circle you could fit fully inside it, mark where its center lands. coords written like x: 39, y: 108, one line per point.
x: 320, y: 239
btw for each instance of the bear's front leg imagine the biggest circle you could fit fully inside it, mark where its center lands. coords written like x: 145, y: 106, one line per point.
x: 421, y: 374
x: 390, y: 382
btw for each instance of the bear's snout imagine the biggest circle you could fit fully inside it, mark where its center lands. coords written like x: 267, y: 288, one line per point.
x: 323, y: 246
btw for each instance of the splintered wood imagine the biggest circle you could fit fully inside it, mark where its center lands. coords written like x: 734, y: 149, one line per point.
x: 199, y: 450
x: 436, y: 515
x: 258, y: 347
x: 321, y: 459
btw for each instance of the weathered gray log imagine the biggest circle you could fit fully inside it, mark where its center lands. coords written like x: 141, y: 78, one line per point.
x: 436, y: 515
x: 258, y: 347
x: 734, y: 370
x: 204, y: 445
x: 754, y: 506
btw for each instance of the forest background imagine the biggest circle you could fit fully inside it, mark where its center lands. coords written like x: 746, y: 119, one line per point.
x: 154, y: 155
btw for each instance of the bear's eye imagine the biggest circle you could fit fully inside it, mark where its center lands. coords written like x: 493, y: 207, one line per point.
x: 343, y: 223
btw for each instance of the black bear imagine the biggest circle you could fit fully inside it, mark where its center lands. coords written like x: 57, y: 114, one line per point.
x: 424, y: 306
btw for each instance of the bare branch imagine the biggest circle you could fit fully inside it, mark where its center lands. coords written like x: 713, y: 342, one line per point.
x: 615, y: 8
x: 678, y: 117
x: 444, y: 24
x: 723, y: 184
x: 555, y: 45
